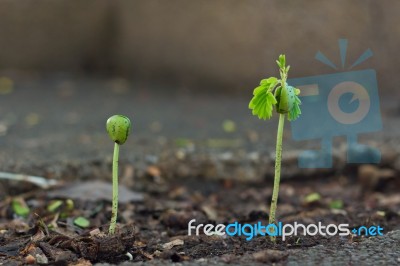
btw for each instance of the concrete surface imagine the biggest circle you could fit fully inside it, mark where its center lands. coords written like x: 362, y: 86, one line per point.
x: 187, y: 43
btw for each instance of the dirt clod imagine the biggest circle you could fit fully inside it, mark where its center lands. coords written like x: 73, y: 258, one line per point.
x: 269, y: 255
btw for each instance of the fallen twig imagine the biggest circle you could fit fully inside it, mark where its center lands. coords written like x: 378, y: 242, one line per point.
x: 37, y: 180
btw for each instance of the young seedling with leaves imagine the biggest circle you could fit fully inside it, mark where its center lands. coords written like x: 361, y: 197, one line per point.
x: 118, y: 128
x: 276, y: 93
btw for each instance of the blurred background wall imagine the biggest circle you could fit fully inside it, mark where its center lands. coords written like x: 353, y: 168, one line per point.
x: 224, y: 44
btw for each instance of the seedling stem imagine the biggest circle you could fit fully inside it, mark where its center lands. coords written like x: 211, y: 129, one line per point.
x: 114, y: 211
x: 278, y: 160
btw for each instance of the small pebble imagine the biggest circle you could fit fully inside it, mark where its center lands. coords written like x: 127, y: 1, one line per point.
x: 269, y: 255
x: 176, y: 242
x: 42, y: 259
x: 30, y: 259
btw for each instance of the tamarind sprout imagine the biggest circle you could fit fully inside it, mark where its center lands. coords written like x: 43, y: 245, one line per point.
x: 118, y: 128
x: 285, y: 98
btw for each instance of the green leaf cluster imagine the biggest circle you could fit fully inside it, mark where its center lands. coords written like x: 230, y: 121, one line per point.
x: 276, y: 92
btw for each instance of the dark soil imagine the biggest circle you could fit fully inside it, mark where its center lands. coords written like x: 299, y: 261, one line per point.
x: 184, y: 167
x: 147, y: 227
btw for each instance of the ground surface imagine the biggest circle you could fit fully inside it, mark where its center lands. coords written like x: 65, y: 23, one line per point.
x: 184, y: 165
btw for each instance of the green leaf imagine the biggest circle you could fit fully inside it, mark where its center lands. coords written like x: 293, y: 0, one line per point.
x: 263, y: 101
x: 282, y: 61
x: 288, y: 102
x: 282, y: 103
x: 19, y: 207
x: 69, y: 204
x: 82, y: 222
x: 52, y: 207
x: 313, y: 197
x: 259, y: 89
x: 271, y: 81
x: 183, y: 143
x: 336, y: 204
x: 295, y: 102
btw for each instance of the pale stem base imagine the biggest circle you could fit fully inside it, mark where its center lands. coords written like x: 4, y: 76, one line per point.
x: 277, y: 178
x: 114, y: 212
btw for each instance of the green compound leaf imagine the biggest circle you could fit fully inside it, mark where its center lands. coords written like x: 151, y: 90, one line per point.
x: 294, y: 111
x: 271, y: 93
x: 263, y: 100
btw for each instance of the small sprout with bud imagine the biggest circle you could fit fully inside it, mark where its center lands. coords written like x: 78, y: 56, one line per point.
x: 118, y: 128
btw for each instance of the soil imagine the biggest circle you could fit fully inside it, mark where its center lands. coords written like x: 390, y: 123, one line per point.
x: 176, y: 168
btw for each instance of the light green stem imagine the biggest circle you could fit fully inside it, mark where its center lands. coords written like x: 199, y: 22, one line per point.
x: 277, y: 178
x: 114, y: 211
